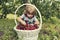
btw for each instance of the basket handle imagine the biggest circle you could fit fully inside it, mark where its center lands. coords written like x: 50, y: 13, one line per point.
x: 35, y: 8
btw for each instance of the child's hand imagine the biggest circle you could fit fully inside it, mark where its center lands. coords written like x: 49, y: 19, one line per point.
x: 36, y: 23
x: 31, y: 24
x: 21, y: 21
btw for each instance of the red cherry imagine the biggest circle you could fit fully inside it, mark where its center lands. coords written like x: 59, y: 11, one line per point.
x: 18, y: 27
x: 36, y: 26
x: 32, y: 28
x: 28, y: 28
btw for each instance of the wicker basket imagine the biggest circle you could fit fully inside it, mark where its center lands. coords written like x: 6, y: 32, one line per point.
x: 28, y: 34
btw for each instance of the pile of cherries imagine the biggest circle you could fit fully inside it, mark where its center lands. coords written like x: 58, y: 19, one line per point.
x: 27, y: 27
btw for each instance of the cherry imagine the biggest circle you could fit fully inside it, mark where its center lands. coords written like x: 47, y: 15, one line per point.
x: 27, y: 27
x: 36, y: 26
x: 18, y: 27
x: 30, y: 27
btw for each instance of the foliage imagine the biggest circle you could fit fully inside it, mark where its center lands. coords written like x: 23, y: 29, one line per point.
x: 11, y: 16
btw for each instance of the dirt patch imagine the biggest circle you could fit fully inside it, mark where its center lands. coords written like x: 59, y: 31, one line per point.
x: 1, y: 33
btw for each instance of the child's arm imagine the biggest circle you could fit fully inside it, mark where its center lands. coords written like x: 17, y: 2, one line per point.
x: 21, y: 21
x: 36, y: 21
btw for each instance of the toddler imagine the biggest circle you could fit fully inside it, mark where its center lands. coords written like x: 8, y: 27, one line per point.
x: 28, y: 20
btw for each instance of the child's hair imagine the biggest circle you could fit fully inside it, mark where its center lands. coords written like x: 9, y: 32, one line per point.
x: 27, y: 9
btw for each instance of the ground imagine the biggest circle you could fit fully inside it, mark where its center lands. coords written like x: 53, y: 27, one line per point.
x: 49, y: 31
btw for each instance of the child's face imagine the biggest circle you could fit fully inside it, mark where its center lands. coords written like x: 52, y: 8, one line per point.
x: 29, y: 15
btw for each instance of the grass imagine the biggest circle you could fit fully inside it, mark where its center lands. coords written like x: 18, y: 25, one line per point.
x: 6, y: 29
x: 49, y: 31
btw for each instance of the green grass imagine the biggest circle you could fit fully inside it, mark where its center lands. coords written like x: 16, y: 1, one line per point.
x: 49, y: 31
x: 6, y: 29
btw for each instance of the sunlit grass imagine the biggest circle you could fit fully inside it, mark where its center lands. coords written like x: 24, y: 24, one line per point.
x: 49, y: 31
